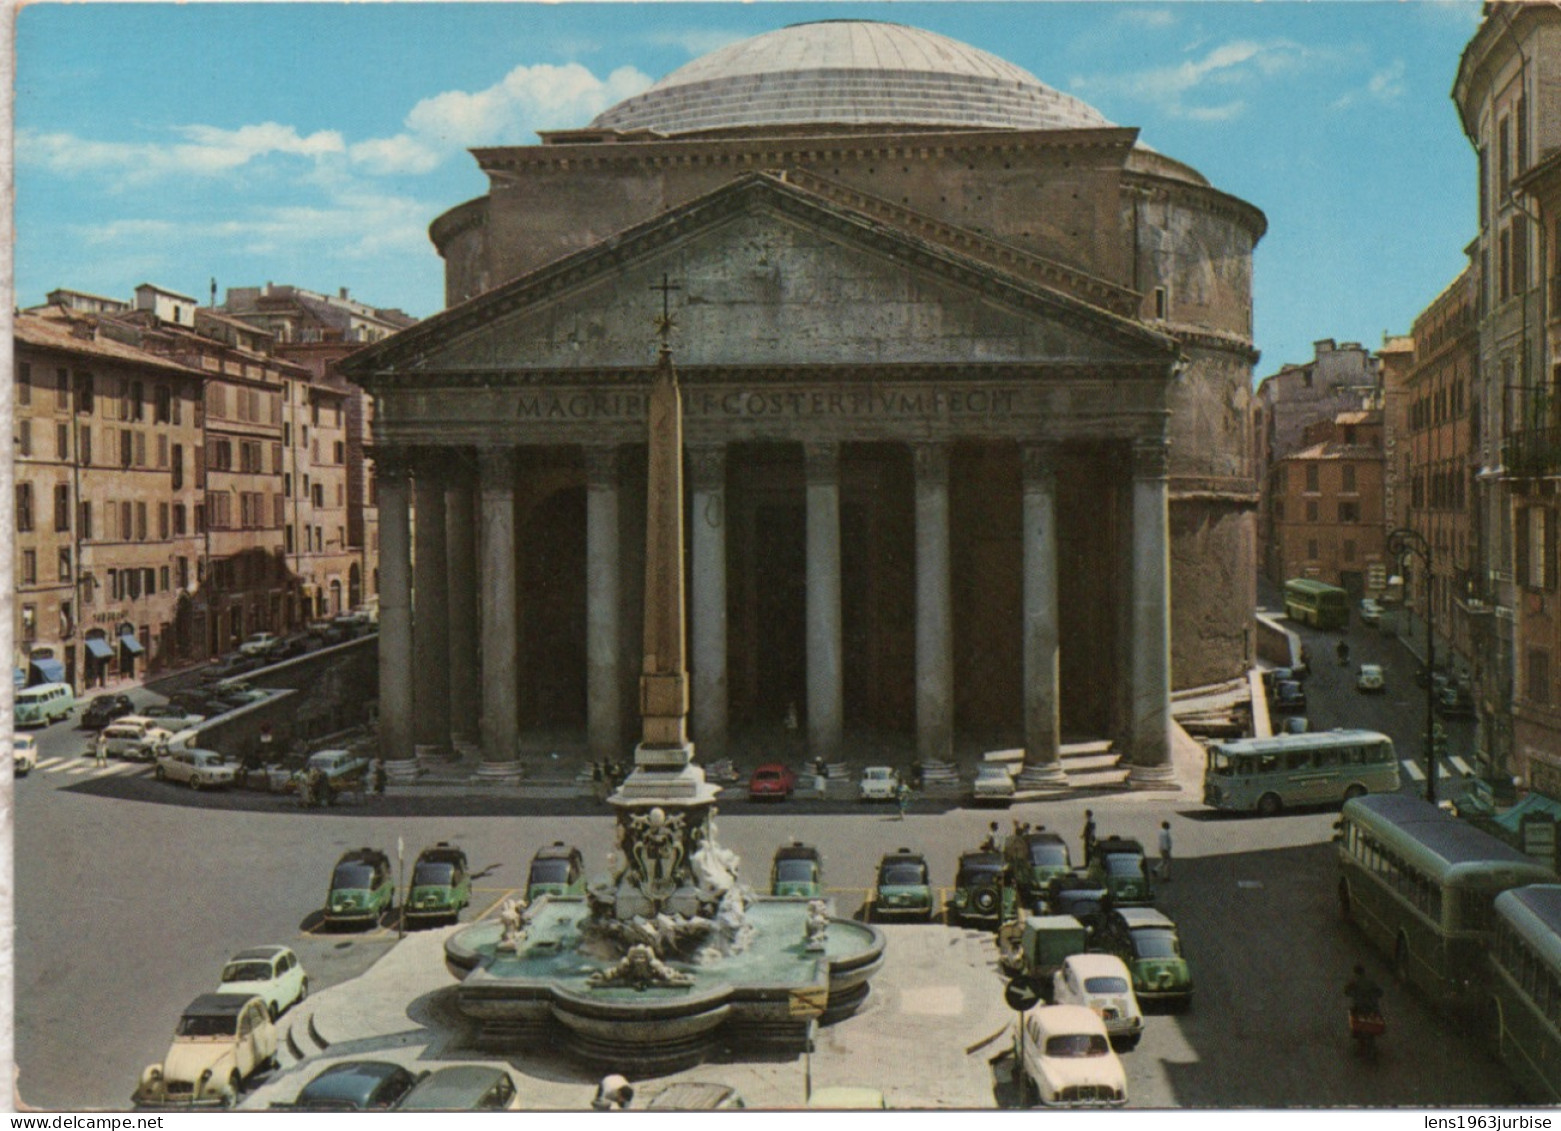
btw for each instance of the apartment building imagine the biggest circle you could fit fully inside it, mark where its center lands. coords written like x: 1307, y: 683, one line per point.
x: 1327, y: 506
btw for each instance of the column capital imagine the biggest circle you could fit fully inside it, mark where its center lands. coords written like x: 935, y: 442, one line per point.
x: 821, y: 462
x: 706, y: 466
x: 1039, y: 462
x: 931, y: 461
x: 429, y: 465
x: 458, y: 467
x: 1151, y: 457
x: 392, y: 463
x: 497, y: 465
x: 601, y: 466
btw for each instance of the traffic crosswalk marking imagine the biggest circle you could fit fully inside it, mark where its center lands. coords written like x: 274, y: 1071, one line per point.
x: 79, y: 767
x: 1417, y: 774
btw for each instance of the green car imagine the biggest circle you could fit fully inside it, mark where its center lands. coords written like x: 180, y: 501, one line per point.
x: 982, y: 890
x: 557, y: 869
x: 904, y: 887
x: 1119, y: 863
x: 798, y: 871
x: 441, y: 884
x: 363, y: 887
x: 1035, y: 860
x: 1146, y: 941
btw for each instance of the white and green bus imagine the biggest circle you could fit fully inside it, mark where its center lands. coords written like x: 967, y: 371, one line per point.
x: 1267, y: 775
x: 1317, y: 603
x: 1525, y: 988
x: 1421, y: 885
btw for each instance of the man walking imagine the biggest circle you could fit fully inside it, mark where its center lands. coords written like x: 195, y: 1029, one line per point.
x: 1089, y: 835
x: 1165, y: 850
x: 100, y: 749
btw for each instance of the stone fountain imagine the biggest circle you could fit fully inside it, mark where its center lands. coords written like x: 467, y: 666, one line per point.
x: 670, y: 955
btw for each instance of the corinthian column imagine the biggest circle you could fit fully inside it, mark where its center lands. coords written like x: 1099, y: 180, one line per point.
x: 500, y: 651
x: 431, y: 619
x: 825, y: 698
x: 1042, y: 722
x: 604, y: 685
x: 461, y: 545
x: 395, y: 606
x: 707, y: 466
x: 934, y: 606
x: 1150, y: 672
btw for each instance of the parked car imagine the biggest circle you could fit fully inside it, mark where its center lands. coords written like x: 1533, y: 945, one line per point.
x: 1102, y: 983
x: 134, y: 738
x: 237, y: 693
x: 878, y: 783
x: 1297, y: 724
x: 1146, y: 942
x: 271, y: 973
x: 903, y: 887
x: 1370, y: 611
x: 994, y: 785
x: 229, y: 666
x: 463, y: 1087
x: 1034, y: 860
x: 259, y: 644
x: 196, y: 768
x: 441, y: 883
x: 1272, y: 677
x: 1289, y: 695
x: 363, y: 887
x: 221, y: 1040
x: 336, y: 765
x: 171, y: 716
x: 1066, y: 1060
x: 1083, y: 897
x: 1118, y: 863
x: 202, y: 703
x: 797, y: 871
x: 558, y: 869
x: 1455, y: 702
x: 771, y: 781
x: 982, y: 893
x: 356, y: 1085
x: 104, y: 709
x: 1371, y: 679
x: 24, y: 754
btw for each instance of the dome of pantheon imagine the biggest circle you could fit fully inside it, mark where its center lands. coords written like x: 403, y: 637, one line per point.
x: 849, y: 73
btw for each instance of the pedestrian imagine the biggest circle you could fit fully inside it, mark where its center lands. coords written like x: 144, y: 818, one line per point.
x: 990, y: 844
x: 1089, y: 835
x: 379, y: 776
x: 903, y: 798
x: 614, y: 1093
x: 100, y: 749
x: 1165, y: 850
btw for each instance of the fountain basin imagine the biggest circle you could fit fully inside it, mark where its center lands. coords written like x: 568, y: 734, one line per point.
x: 761, y: 1000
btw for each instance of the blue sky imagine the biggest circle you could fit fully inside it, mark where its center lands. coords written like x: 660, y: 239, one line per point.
x: 312, y: 144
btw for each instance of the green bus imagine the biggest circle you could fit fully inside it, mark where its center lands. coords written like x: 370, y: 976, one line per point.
x: 1268, y: 775
x: 1422, y: 885
x: 1525, y: 986
x: 1316, y: 603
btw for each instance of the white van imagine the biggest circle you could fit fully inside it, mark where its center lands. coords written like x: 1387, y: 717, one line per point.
x: 44, y: 703
x: 134, y: 738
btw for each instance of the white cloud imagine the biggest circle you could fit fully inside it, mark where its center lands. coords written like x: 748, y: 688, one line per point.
x: 526, y: 100
x: 1150, y: 18
x: 1177, y: 90
x: 207, y: 151
x: 1384, y: 86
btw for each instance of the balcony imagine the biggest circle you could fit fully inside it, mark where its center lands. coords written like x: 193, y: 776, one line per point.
x: 1533, y: 452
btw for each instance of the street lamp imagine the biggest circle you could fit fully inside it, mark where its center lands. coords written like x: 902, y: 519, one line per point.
x: 1402, y: 543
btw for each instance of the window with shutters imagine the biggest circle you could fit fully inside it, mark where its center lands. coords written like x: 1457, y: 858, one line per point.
x: 141, y: 527
x: 164, y: 521
x: 61, y: 507
x: 62, y: 390
x: 178, y: 519
x: 64, y: 563
x: 62, y: 441
x: 86, y: 520
x: 140, y: 449
x: 126, y: 447
x: 126, y: 520
x: 84, y: 440
x: 24, y: 507
x: 29, y: 567
x: 24, y: 383
x: 24, y: 438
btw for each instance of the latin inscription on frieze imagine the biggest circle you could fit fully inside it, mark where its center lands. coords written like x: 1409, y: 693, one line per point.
x: 744, y: 403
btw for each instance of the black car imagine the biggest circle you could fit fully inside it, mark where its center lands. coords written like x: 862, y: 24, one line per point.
x: 356, y: 1085
x: 363, y: 887
x: 1289, y: 696
x: 198, y: 703
x: 1084, y: 897
x: 105, y: 709
x: 983, y: 892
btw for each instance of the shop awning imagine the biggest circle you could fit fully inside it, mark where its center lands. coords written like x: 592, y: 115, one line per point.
x: 19, y: 678
x: 1536, y: 803
x: 99, y: 648
x: 47, y: 671
x: 131, y: 644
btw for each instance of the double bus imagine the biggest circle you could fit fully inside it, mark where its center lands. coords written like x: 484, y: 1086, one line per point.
x: 1525, y: 987
x: 1422, y: 886
x: 1316, y: 603
x: 1267, y: 775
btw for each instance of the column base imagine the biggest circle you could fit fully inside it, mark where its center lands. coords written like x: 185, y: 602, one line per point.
x: 499, y: 773
x: 402, y: 771
x: 1153, y: 778
x: 466, y: 748
x: 1044, y: 775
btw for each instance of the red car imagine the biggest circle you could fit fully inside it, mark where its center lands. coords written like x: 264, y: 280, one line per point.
x: 771, y: 780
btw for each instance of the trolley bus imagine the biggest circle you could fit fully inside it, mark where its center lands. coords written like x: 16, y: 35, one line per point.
x: 1318, y: 768
x: 1525, y: 987
x: 1421, y: 885
x: 1317, y: 603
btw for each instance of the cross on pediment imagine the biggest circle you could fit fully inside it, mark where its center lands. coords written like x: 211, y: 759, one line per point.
x: 665, y: 324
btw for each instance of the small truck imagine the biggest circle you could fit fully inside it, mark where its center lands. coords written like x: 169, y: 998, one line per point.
x: 1034, y: 948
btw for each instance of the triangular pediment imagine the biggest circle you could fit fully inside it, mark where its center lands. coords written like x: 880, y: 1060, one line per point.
x: 767, y: 275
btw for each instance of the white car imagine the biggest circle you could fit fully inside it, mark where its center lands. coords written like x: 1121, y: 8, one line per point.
x: 24, y: 754
x: 222, y: 1040
x: 1101, y: 982
x: 1370, y: 678
x: 1067, y: 1060
x: 272, y: 973
x: 879, y: 783
x: 259, y: 644
x: 199, y: 769
x: 336, y: 763
x: 135, y: 738
x: 994, y: 783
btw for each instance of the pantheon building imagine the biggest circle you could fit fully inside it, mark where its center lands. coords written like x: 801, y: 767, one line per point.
x: 966, y: 372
